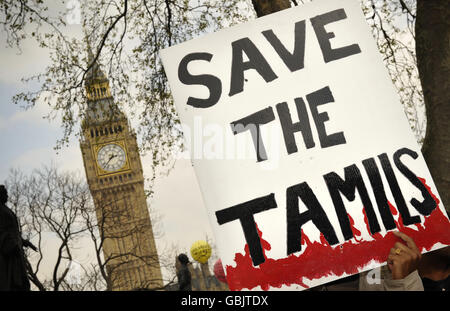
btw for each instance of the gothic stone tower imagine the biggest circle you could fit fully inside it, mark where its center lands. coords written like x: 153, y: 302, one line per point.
x: 115, y: 177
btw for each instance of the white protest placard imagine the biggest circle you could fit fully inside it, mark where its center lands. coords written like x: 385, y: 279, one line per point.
x: 301, y: 148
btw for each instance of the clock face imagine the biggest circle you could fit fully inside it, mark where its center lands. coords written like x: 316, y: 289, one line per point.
x: 111, y: 158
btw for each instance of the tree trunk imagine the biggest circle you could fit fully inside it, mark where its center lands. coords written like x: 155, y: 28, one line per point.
x: 264, y: 7
x: 433, y: 60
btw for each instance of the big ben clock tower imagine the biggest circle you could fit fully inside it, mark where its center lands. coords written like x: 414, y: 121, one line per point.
x: 115, y: 177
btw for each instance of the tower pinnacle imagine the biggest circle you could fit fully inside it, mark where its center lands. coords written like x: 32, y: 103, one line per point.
x: 94, y: 73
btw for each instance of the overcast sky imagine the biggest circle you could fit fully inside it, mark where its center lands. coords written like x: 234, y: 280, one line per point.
x: 28, y: 143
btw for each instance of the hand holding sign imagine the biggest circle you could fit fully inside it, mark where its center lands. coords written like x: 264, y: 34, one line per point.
x: 403, y: 258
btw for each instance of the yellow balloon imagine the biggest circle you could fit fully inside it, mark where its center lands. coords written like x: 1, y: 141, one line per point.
x: 201, y: 251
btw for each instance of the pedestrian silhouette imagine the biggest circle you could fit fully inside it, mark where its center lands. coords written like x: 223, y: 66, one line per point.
x: 13, y: 272
x: 183, y: 274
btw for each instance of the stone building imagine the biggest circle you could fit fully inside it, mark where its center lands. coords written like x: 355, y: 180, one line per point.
x: 114, y: 173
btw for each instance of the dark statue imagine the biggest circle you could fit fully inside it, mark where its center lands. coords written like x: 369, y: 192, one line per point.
x: 183, y: 274
x: 13, y: 272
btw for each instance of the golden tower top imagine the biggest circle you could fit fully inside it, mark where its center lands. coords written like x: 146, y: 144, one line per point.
x: 100, y: 103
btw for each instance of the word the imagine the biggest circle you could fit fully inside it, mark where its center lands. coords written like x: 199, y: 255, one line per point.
x: 253, y: 122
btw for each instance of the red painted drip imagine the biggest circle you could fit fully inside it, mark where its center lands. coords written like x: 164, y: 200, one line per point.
x: 355, y: 231
x: 320, y: 259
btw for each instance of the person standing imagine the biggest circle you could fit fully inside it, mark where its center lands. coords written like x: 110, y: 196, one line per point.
x: 13, y: 272
x: 183, y: 273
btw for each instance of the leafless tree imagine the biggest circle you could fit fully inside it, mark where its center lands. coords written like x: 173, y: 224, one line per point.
x: 56, y: 209
x: 49, y: 206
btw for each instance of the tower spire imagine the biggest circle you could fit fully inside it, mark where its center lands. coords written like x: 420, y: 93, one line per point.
x: 88, y: 48
x: 94, y: 74
x: 100, y: 103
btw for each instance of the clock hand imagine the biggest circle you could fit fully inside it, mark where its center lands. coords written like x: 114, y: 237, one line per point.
x: 110, y: 158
